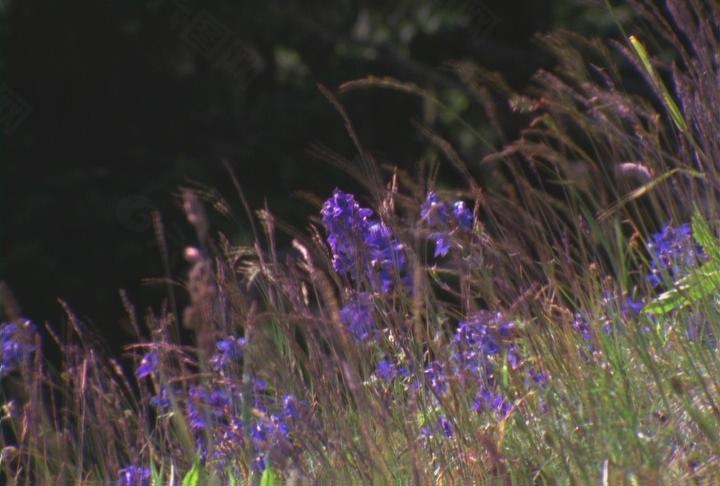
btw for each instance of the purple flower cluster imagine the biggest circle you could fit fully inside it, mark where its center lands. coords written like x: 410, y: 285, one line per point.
x: 482, y: 345
x: 357, y: 316
x: 387, y: 370
x: 134, y: 476
x: 487, y: 400
x: 674, y: 252
x: 483, y: 335
x: 230, y: 351
x: 17, y: 343
x: 445, y: 220
x: 362, y: 247
x: 213, y: 411
x: 442, y: 427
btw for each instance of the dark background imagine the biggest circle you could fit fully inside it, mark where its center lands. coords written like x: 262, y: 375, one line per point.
x: 109, y: 106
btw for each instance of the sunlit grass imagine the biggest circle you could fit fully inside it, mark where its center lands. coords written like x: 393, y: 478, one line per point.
x: 559, y: 327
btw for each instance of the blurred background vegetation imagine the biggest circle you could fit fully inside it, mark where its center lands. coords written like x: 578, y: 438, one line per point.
x: 110, y: 106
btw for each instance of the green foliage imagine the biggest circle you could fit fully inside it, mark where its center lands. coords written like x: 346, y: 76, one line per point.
x: 670, y: 103
x: 194, y: 476
x: 269, y: 478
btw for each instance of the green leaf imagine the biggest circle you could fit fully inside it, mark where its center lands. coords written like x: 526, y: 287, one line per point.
x: 156, y: 476
x: 670, y: 104
x: 192, y: 478
x: 700, y: 283
x: 231, y: 478
x: 703, y: 234
x: 269, y: 478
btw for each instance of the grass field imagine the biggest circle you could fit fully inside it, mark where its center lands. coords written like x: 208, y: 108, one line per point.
x: 558, y: 325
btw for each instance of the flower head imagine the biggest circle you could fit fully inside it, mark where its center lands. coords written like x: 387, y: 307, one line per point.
x: 362, y: 247
x: 230, y: 351
x: 148, y: 364
x: 674, y: 252
x: 445, y: 220
x: 134, y: 476
x: 357, y: 317
x: 17, y: 343
x: 446, y: 426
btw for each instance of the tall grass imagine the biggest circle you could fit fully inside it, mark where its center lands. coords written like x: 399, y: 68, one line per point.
x: 557, y: 326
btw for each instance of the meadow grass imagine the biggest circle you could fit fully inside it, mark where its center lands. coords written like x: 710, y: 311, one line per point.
x: 556, y: 326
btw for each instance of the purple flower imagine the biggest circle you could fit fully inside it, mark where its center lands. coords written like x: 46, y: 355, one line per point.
x: 437, y: 377
x: 290, y: 406
x: 259, y: 462
x: 482, y: 333
x: 270, y: 438
x: 134, y: 476
x: 486, y: 400
x: 425, y: 434
x: 149, y: 364
x: 362, y: 247
x: 673, y: 251
x: 581, y: 325
x: 345, y: 222
x: 442, y: 244
x: 539, y: 377
x: 387, y: 257
x: 446, y: 426
x: 436, y: 214
x: 17, y: 343
x: 433, y: 211
x: 196, y: 420
x: 357, y: 317
x: 230, y: 351
x: 162, y: 400
x: 462, y: 215
x: 386, y: 370
x: 631, y: 306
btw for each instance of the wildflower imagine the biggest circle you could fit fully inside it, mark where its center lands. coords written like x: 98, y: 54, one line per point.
x: 437, y: 215
x: 219, y: 400
x: 386, y: 255
x: 386, y: 370
x: 260, y: 462
x: 162, y: 400
x: 271, y: 439
x: 344, y: 221
x: 673, y: 252
x: 630, y: 306
x: 463, y: 216
x: 134, y: 476
x: 425, y: 434
x: 539, y: 377
x: 362, y: 247
x: 581, y: 325
x: 446, y: 426
x: 486, y: 400
x: 290, y: 406
x: 483, y: 331
x: 437, y: 377
x: 230, y: 441
x: 16, y: 344
x: 149, y: 364
x: 196, y: 420
x: 230, y: 351
x: 442, y: 244
x: 357, y: 317
x: 433, y: 211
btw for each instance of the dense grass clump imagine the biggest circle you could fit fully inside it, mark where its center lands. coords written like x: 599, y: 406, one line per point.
x: 556, y: 326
